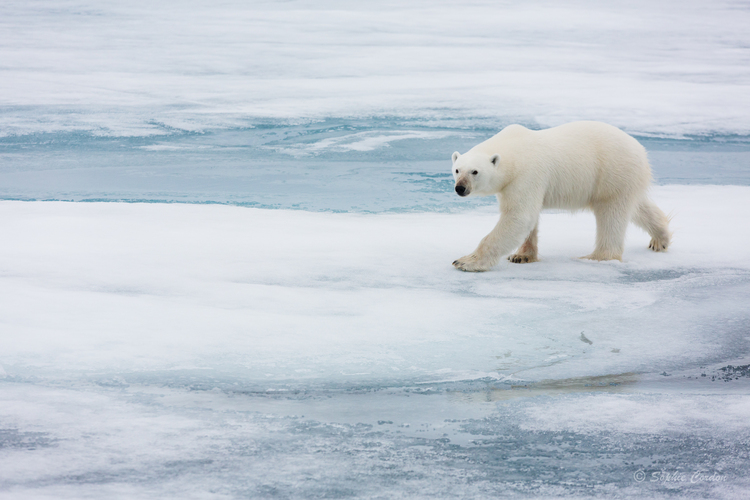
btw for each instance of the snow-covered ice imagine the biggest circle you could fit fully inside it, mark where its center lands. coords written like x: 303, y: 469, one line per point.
x: 172, y: 350
x: 279, y: 296
x: 668, y: 68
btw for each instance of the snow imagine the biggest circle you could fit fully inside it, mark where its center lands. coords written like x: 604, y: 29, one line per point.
x: 213, y: 351
x: 351, y: 298
x: 661, y: 68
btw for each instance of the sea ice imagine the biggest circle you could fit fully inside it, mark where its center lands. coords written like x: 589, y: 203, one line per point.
x: 288, y: 297
x: 193, y: 351
x: 145, y: 68
x: 200, y: 350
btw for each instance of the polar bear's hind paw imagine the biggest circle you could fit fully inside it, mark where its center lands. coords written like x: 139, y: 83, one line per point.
x: 658, y: 245
x: 519, y: 258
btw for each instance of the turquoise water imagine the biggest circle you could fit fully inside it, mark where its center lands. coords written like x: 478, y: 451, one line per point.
x: 363, y: 165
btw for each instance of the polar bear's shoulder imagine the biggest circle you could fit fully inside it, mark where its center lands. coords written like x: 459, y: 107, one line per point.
x: 506, y: 137
x: 588, y: 129
x: 513, y: 131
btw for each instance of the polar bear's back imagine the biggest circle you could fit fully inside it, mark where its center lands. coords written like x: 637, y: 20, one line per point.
x: 576, y: 164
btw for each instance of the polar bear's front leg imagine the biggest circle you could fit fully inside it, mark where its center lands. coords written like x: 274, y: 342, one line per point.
x: 506, y: 236
x: 473, y: 263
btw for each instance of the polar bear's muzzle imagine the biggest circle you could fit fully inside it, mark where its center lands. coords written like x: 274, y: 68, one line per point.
x: 462, y: 190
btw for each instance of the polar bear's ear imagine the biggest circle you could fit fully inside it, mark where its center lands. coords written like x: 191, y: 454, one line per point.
x: 455, y: 156
x: 495, y: 159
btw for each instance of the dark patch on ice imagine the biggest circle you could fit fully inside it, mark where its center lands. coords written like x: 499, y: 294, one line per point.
x: 148, y: 473
x: 12, y: 438
x: 188, y: 463
x: 646, y: 275
x: 730, y: 372
x: 113, y: 382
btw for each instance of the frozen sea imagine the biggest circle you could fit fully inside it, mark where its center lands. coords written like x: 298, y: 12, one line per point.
x: 227, y: 230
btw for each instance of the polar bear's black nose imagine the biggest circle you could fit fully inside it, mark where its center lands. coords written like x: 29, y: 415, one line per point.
x: 461, y: 190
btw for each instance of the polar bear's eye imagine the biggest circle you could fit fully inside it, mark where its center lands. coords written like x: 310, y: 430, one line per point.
x: 456, y: 170
x: 474, y: 172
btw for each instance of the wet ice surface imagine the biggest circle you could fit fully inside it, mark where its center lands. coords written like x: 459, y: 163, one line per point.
x: 192, y: 350
x: 142, y: 442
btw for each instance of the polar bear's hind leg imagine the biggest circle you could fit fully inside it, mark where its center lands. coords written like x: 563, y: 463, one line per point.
x: 651, y: 219
x: 611, y: 224
x: 528, y: 252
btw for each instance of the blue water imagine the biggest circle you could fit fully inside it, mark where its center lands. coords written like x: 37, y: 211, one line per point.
x: 308, y: 165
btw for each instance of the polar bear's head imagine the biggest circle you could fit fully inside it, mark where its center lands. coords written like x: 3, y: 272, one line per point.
x: 476, y: 173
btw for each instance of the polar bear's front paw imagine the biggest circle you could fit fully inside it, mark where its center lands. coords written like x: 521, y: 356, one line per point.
x: 471, y: 263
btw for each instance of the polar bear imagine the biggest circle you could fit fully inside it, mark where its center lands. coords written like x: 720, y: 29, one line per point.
x: 574, y: 166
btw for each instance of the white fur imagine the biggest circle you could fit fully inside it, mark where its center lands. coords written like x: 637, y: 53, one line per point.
x: 580, y: 165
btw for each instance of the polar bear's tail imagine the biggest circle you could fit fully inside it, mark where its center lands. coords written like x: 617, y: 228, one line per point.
x: 651, y: 219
